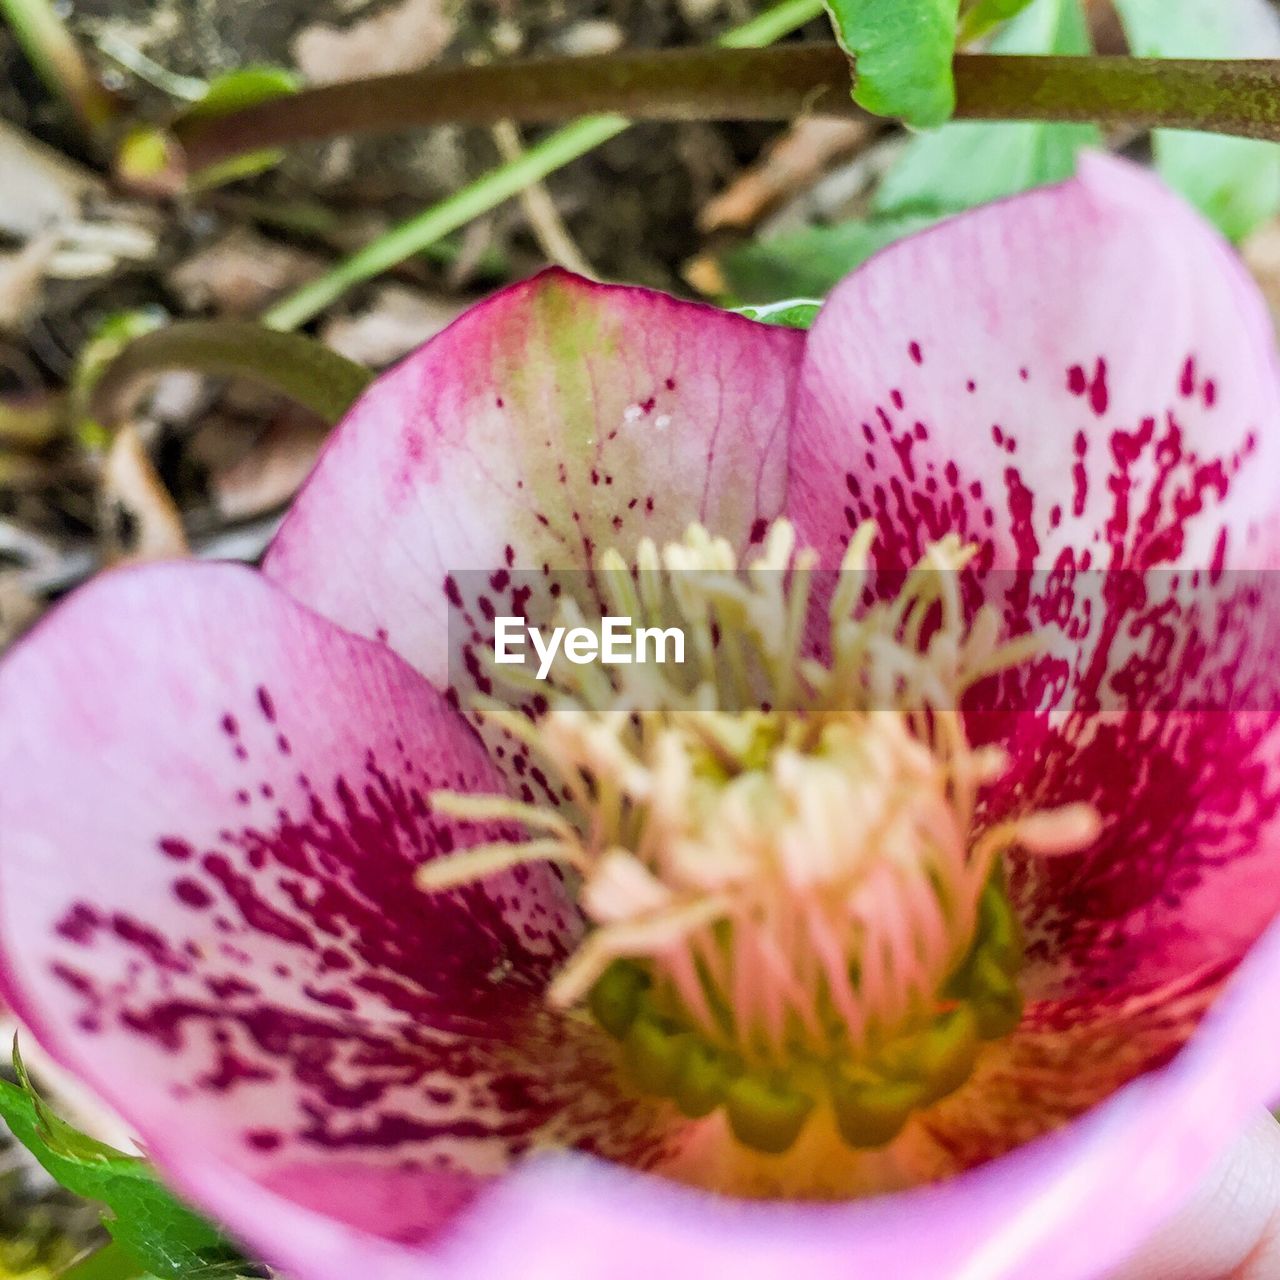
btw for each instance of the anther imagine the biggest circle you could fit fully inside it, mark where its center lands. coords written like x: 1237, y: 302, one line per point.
x: 792, y: 901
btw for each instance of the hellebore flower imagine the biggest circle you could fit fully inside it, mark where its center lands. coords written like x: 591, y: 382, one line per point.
x: 1046, y: 1010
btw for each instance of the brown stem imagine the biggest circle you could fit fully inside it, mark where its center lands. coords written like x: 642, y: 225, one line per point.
x: 1236, y: 96
x: 677, y: 84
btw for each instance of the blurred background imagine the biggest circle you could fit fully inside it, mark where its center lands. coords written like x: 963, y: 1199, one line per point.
x: 86, y: 256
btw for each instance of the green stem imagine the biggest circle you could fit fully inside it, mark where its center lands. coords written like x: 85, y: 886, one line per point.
x: 433, y: 224
x: 771, y: 25
x: 112, y: 1262
x: 299, y: 367
x: 489, y: 191
x: 1232, y: 96
x: 56, y: 57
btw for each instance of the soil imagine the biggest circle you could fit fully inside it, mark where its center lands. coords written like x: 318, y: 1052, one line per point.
x: 630, y: 211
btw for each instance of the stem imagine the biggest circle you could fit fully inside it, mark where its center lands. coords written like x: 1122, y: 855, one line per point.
x: 489, y: 191
x: 112, y: 1262
x: 433, y: 224
x: 57, y: 60
x: 301, y: 368
x: 675, y: 84
x: 1231, y: 96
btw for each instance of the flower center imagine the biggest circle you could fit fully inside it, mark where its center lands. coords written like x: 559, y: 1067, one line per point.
x: 793, y: 900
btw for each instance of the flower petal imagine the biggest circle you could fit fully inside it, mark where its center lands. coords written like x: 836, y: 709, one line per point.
x: 1069, y: 1207
x: 557, y: 419
x: 1083, y: 372
x: 1082, y: 381
x: 213, y: 808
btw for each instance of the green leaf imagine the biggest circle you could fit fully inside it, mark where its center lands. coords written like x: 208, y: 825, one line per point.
x: 243, y: 87
x: 984, y: 15
x: 965, y: 165
x: 232, y: 92
x: 810, y: 262
x: 169, y: 1240
x: 794, y: 313
x: 941, y: 173
x: 902, y: 51
x: 1233, y: 181
x: 111, y: 1262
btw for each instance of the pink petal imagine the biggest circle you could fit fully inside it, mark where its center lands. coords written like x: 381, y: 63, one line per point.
x: 214, y: 803
x: 555, y: 420
x: 1081, y: 380
x: 1083, y: 372
x: 1069, y: 1207
x: 1184, y: 876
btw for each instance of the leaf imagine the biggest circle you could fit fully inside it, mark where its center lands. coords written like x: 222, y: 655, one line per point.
x: 955, y: 168
x: 169, y: 1240
x: 811, y: 262
x: 243, y: 87
x: 984, y: 15
x: 1234, y: 181
x: 231, y: 92
x: 794, y: 313
x: 965, y: 165
x: 902, y: 51
x: 110, y: 1262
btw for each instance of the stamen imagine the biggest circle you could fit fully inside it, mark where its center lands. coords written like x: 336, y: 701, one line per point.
x: 483, y: 860
x: 790, y: 894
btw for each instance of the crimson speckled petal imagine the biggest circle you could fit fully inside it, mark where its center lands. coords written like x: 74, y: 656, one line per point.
x: 555, y: 420
x: 1083, y: 381
x: 1069, y: 1207
x: 207, y: 905
x: 1082, y: 375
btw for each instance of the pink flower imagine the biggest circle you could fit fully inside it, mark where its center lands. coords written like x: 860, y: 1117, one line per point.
x: 217, y: 782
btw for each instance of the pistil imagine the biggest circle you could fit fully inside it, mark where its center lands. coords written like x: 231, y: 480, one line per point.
x: 792, y: 898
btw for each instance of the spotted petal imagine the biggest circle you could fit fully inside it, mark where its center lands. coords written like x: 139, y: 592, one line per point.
x: 553, y: 421
x: 207, y: 905
x: 1121, y: 1171
x: 1067, y: 1208
x: 1082, y: 382
x: 1083, y: 372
